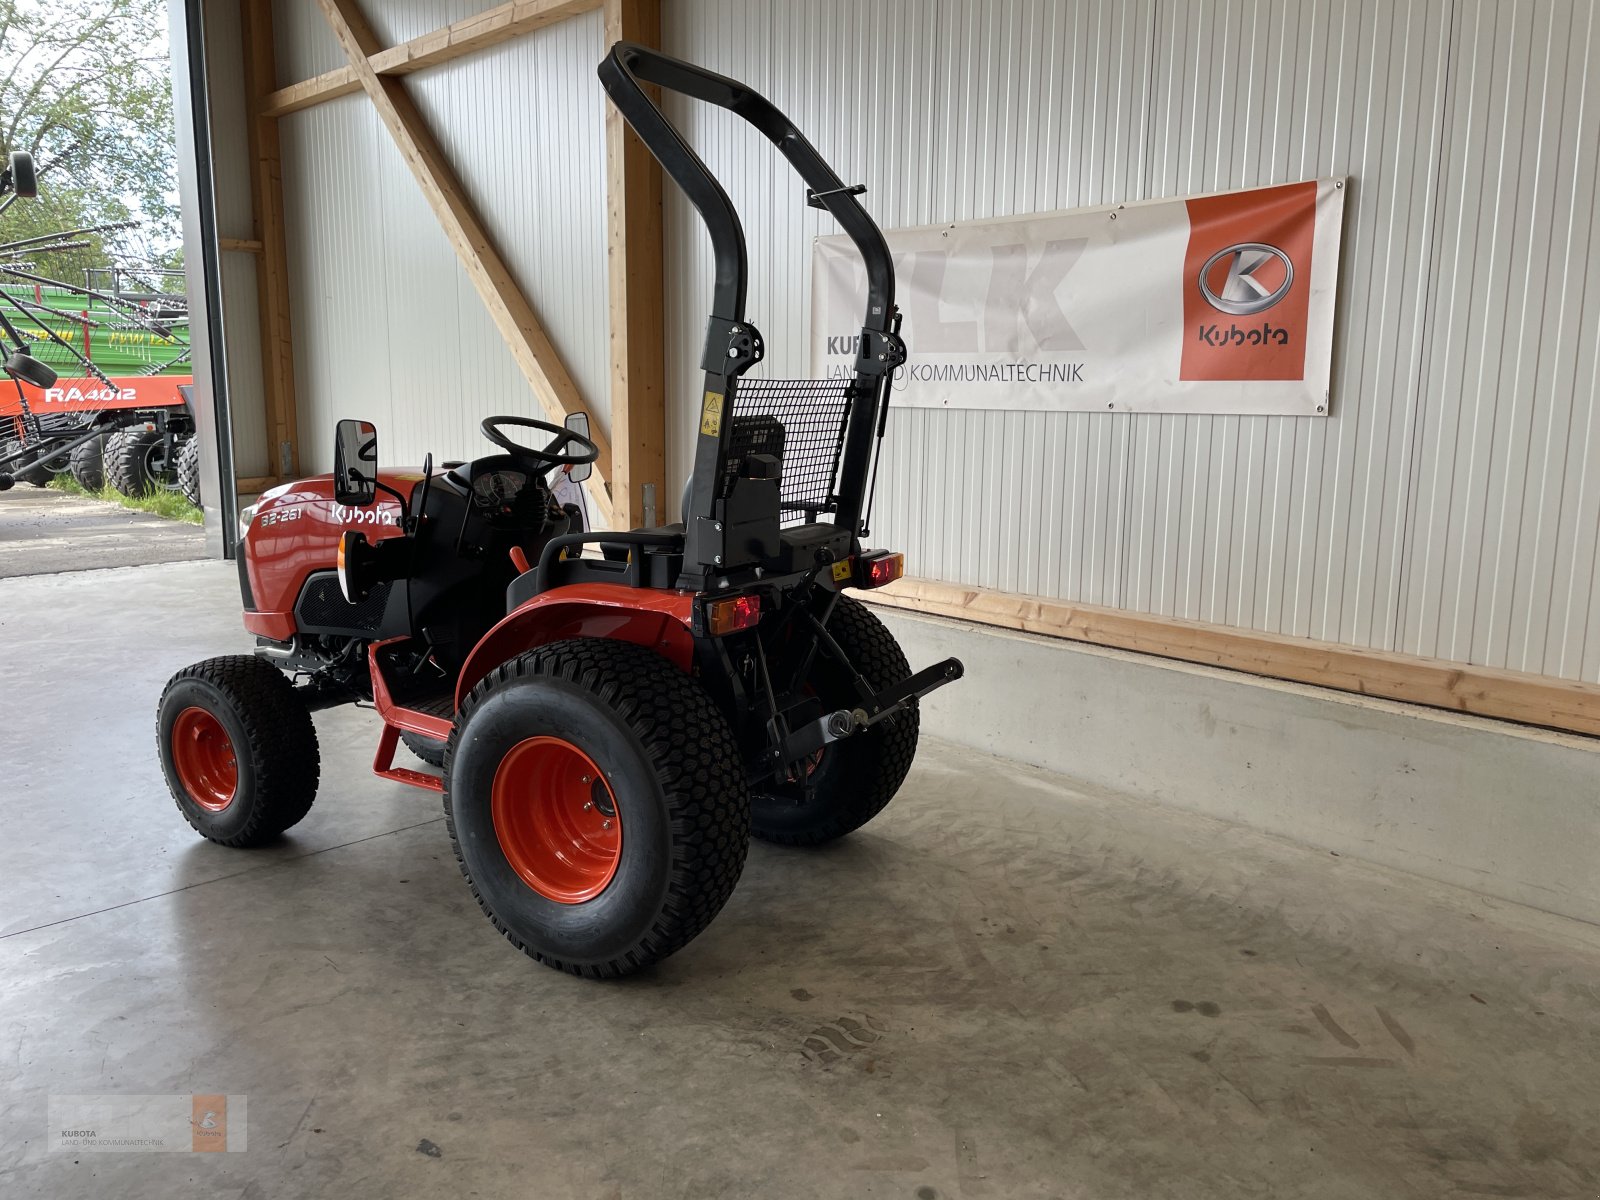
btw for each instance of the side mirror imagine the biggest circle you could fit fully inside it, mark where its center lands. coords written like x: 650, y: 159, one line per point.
x: 24, y: 366
x: 355, y: 462
x: 19, y: 175
x: 578, y: 422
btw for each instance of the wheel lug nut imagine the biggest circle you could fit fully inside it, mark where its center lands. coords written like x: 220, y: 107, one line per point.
x: 587, y: 805
x: 605, y: 824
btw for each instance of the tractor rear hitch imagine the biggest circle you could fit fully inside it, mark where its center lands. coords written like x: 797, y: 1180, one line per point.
x: 842, y: 723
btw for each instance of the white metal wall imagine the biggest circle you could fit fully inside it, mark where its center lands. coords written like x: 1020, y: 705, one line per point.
x: 386, y: 324
x: 1449, y: 506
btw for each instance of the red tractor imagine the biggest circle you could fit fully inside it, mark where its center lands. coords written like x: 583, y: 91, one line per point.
x: 614, y: 714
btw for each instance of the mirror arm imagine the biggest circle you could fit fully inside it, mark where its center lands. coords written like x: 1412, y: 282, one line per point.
x: 405, y: 509
x: 414, y: 523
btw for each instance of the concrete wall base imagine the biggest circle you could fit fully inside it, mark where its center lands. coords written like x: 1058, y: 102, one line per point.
x: 1501, y: 809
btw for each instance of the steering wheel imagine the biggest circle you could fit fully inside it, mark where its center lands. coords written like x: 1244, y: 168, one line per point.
x: 549, y: 456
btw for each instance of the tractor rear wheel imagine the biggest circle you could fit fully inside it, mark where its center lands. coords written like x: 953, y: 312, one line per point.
x: 88, y: 464
x: 189, y: 469
x: 597, y: 803
x: 854, y: 779
x: 238, y: 749
x: 136, y: 461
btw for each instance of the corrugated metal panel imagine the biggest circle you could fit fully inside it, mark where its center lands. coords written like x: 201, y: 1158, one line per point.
x: 1295, y: 525
x: 947, y: 111
x: 1445, y: 507
x: 1506, y: 509
x: 303, y: 40
x: 387, y: 326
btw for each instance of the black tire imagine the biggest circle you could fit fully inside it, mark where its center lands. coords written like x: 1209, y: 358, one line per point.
x: 189, y: 469
x: 269, y: 736
x: 88, y: 464
x: 668, y: 763
x: 857, y: 777
x: 31, y: 470
x: 134, y: 461
x: 39, y: 476
x: 428, y: 750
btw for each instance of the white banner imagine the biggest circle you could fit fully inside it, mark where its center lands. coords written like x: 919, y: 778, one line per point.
x: 1213, y: 304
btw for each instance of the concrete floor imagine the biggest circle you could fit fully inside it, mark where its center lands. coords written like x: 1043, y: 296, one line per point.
x: 43, y: 531
x: 1007, y: 986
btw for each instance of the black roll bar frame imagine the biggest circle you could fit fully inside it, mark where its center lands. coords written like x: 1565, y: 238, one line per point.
x: 732, y: 344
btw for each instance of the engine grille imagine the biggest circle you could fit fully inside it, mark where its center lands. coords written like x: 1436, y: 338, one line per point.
x: 322, y: 607
x: 803, y: 422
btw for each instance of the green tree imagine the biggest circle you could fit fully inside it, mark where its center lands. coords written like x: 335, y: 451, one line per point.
x: 85, y: 88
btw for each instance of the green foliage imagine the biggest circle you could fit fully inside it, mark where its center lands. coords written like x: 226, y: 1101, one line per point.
x: 85, y: 88
x: 172, y: 505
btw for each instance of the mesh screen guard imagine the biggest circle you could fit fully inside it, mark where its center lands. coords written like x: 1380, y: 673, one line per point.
x: 801, y: 421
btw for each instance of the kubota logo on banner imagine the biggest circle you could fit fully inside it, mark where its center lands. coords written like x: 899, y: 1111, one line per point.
x: 1214, y: 304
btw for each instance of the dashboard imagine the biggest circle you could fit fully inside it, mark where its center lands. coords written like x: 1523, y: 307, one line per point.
x: 495, y: 493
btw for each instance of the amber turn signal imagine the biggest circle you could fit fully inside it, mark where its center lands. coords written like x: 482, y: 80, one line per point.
x: 732, y: 614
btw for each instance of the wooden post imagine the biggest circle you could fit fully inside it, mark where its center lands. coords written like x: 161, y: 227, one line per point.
x: 635, y: 259
x: 508, y: 307
x: 272, y: 263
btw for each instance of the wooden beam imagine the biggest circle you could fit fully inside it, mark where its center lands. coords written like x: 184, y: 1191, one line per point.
x: 637, y: 292
x: 241, y: 245
x: 462, y: 37
x: 513, y: 316
x: 1482, y: 691
x: 272, y: 267
x: 250, y: 485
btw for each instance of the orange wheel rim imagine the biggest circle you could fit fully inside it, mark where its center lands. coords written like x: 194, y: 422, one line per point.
x: 203, y: 756
x: 556, y: 819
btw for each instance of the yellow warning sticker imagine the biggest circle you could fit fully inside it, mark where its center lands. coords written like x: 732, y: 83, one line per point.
x: 711, y: 415
x: 841, y: 570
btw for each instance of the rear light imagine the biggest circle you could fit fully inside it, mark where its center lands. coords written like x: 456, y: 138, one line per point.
x: 732, y: 614
x: 879, y: 567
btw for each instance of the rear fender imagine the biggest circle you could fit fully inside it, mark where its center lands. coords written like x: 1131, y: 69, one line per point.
x: 655, y: 618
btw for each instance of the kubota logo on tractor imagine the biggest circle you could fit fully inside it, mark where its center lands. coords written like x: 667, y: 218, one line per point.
x: 378, y: 514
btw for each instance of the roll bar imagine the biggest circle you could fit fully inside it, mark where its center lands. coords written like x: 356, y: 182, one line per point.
x: 733, y: 345
x: 623, y: 73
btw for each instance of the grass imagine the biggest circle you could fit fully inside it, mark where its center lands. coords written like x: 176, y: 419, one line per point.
x: 171, y: 505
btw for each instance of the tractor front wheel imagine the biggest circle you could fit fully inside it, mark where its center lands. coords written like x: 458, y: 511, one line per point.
x: 425, y: 748
x: 238, y: 749
x: 597, y: 804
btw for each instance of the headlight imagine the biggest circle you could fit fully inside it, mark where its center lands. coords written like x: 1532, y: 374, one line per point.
x: 246, y: 515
